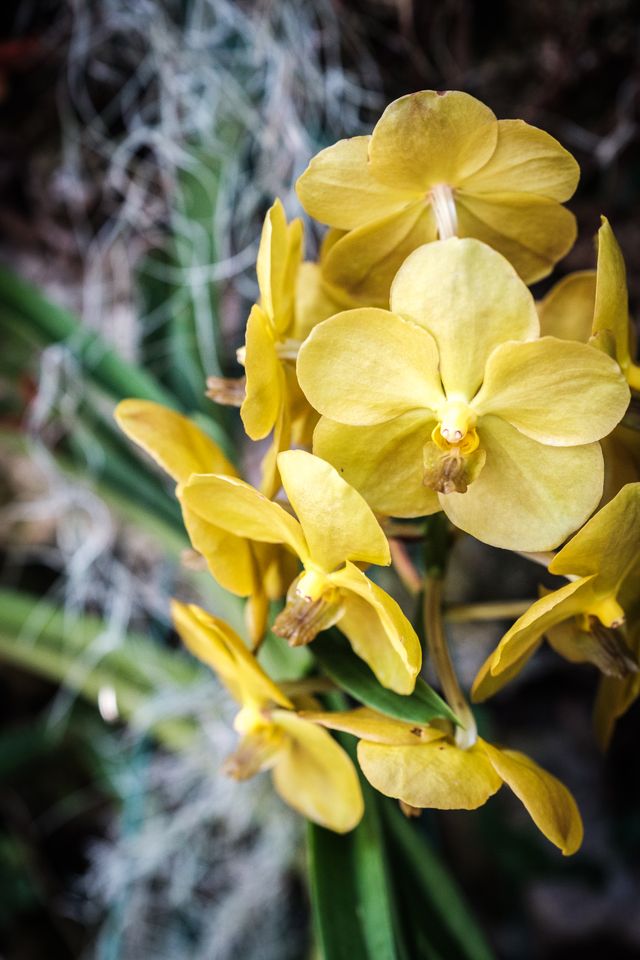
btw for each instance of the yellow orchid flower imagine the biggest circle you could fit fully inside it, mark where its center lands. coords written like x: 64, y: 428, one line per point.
x: 310, y: 771
x: 435, y: 166
x: 258, y: 571
x: 584, y: 620
x: 591, y: 305
x: 595, y: 304
x: 293, y: 298
x: 449, y: 402
x: 421, y: 766
x: 335, y: 530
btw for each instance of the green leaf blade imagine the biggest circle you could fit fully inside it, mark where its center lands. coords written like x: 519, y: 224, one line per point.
x: 352, y: 891
x: 50, y: 323
x: 349, y: 672
x: 435, y: 912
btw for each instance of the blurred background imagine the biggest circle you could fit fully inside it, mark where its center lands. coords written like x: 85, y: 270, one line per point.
x: 140, y: 145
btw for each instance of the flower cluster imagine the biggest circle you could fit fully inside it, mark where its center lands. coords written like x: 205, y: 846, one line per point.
x: 409, y: 373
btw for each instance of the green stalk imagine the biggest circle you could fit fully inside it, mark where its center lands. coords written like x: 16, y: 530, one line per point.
x: 38, y: 636
x: 22, y: 304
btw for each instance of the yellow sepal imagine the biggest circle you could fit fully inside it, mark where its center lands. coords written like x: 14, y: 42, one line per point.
x: 314, y: 775
x: 437, y: 775
x: 216, y: 644
x: 175, y: 442
x: 378, y: 630
x: 337, y: 522
x: 547, y: 801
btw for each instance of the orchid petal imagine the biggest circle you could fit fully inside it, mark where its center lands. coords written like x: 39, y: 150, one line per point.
x: 337, y: 523
x: 383, y: 462
x: 279, y: 256
x: 216, y: 644
x: 526, y: 160
x: 428, y: 138
x: 265, y: 381
x: 368, y: 724
x: 364, y: 262
x: 522, y: 638
x: 437, y: 775
x: 546, y: 799
x: 339, y: 188
x: 314, y: 775
x: 611, y: 311
x: 237, y: 507
x: 528, y: 496
x: 607, y: 545
x: 378, y: 630
x: 368, y: 366
x: 470, y: 299
x: 229, y: 557
x: 567, y: 309
x: 175, y: 442
x: 532, y: 232
x: 558, y: 392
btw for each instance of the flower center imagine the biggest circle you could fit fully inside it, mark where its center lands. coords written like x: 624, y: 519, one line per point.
x: 453, y: 457
x: 608, y: 650
x: 251, y: 719
x: 444, y: 210
x: 457, y: 421
x: 260, y: 744
x: 313, y: 604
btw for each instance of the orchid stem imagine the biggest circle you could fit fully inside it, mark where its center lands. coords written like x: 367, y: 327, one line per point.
x: 465, y: 735
x: 436, y: 550
x: 543, y: 558
x: 396, y: 530
x: 499, y: 610
x: 407, y: 573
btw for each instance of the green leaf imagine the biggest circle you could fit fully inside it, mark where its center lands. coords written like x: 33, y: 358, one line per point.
x: 339, y: 935
x: 352, y: 891
x: 437, y: 920
x: 40, y: 637
x: 374, y: 885
x: 339, y: 662
x: 22, y: 305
